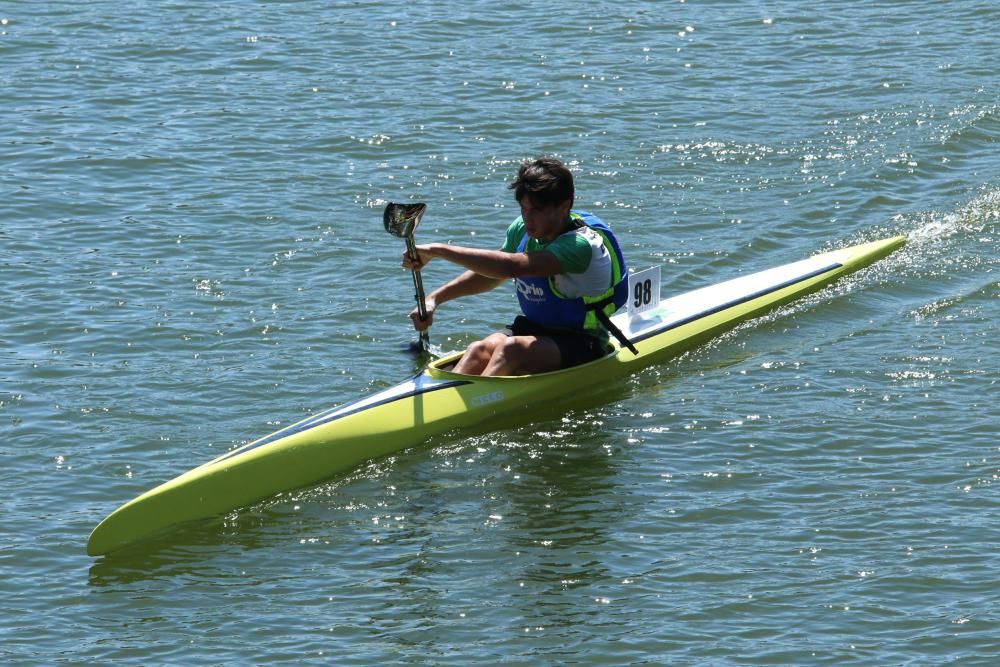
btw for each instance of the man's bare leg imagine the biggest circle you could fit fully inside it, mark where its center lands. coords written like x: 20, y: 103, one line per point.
x: 499, y: 354
x: 477, y: 356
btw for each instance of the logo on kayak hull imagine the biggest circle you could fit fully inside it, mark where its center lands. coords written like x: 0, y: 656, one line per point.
x: 486, y: 399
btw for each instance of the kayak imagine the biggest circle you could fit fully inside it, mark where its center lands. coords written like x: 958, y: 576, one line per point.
x: 437, y: 401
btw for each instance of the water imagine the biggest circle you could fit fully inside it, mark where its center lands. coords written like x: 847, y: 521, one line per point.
x: 192, y: 256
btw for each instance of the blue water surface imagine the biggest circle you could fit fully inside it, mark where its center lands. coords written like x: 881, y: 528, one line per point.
x: 192, y: 256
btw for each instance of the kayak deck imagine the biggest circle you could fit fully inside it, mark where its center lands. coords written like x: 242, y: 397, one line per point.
x: 438, y: 400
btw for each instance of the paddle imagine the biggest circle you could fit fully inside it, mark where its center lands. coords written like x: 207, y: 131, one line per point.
x: 400, y: 220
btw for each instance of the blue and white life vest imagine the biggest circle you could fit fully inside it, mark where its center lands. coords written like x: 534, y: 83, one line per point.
x: 542, y: 303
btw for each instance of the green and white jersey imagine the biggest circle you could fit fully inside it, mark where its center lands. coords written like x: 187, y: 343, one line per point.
x: 581, y: 252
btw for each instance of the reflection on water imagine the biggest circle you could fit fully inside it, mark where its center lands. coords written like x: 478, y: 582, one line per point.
x: 193, y: 254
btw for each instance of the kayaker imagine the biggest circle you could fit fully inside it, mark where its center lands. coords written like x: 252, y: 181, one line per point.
x: 567, y: 268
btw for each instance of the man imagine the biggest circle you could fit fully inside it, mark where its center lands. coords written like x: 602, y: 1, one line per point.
x: 568, y: 270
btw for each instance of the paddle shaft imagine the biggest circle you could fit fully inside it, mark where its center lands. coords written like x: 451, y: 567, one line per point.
x: 418, y: 285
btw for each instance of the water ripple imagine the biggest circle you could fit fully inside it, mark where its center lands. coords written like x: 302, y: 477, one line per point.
x: 193, y: 258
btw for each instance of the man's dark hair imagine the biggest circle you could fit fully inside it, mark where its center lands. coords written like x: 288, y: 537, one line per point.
x: 545, y: 181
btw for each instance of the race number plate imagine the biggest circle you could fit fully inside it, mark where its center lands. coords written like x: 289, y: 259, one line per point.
x: 644, y: 290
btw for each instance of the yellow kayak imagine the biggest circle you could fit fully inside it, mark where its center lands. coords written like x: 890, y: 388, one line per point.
x: 438, y: 400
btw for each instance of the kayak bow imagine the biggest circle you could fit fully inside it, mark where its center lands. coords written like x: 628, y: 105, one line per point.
x: 438, y: 400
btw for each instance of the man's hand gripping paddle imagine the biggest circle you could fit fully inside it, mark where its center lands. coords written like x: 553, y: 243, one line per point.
x: 401, y: 220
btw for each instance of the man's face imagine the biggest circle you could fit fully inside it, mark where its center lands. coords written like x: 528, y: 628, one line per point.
x: 544, y: 223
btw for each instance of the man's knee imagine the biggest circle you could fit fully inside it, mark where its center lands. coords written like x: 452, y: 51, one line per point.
x: 519, y: 354
x: 478, y: 354
x: 486, y: 346
x: 478, y: 349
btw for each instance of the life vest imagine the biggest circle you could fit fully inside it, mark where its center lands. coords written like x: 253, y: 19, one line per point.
x: 542, y: 303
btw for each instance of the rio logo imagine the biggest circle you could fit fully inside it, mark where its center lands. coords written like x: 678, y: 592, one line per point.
x: 529, y: 291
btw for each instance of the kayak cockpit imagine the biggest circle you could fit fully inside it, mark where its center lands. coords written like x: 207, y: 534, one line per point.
x: 444, y: 367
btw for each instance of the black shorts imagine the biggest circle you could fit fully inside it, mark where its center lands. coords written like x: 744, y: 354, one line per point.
x: 575, y: 347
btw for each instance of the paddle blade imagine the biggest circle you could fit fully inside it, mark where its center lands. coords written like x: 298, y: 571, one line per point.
x: 422, y: 345
x: 401, y: 219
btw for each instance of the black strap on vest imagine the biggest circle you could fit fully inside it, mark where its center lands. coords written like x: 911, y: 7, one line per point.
x: 603, y: 318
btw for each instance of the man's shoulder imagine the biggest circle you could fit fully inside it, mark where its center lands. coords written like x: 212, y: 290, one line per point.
x: 573, y: 251
x: 515, y: 232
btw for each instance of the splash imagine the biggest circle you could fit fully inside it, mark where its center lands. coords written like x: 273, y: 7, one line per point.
x: 976, y: 218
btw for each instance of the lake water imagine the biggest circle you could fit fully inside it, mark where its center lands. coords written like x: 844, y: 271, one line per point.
x: 193, y: 255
